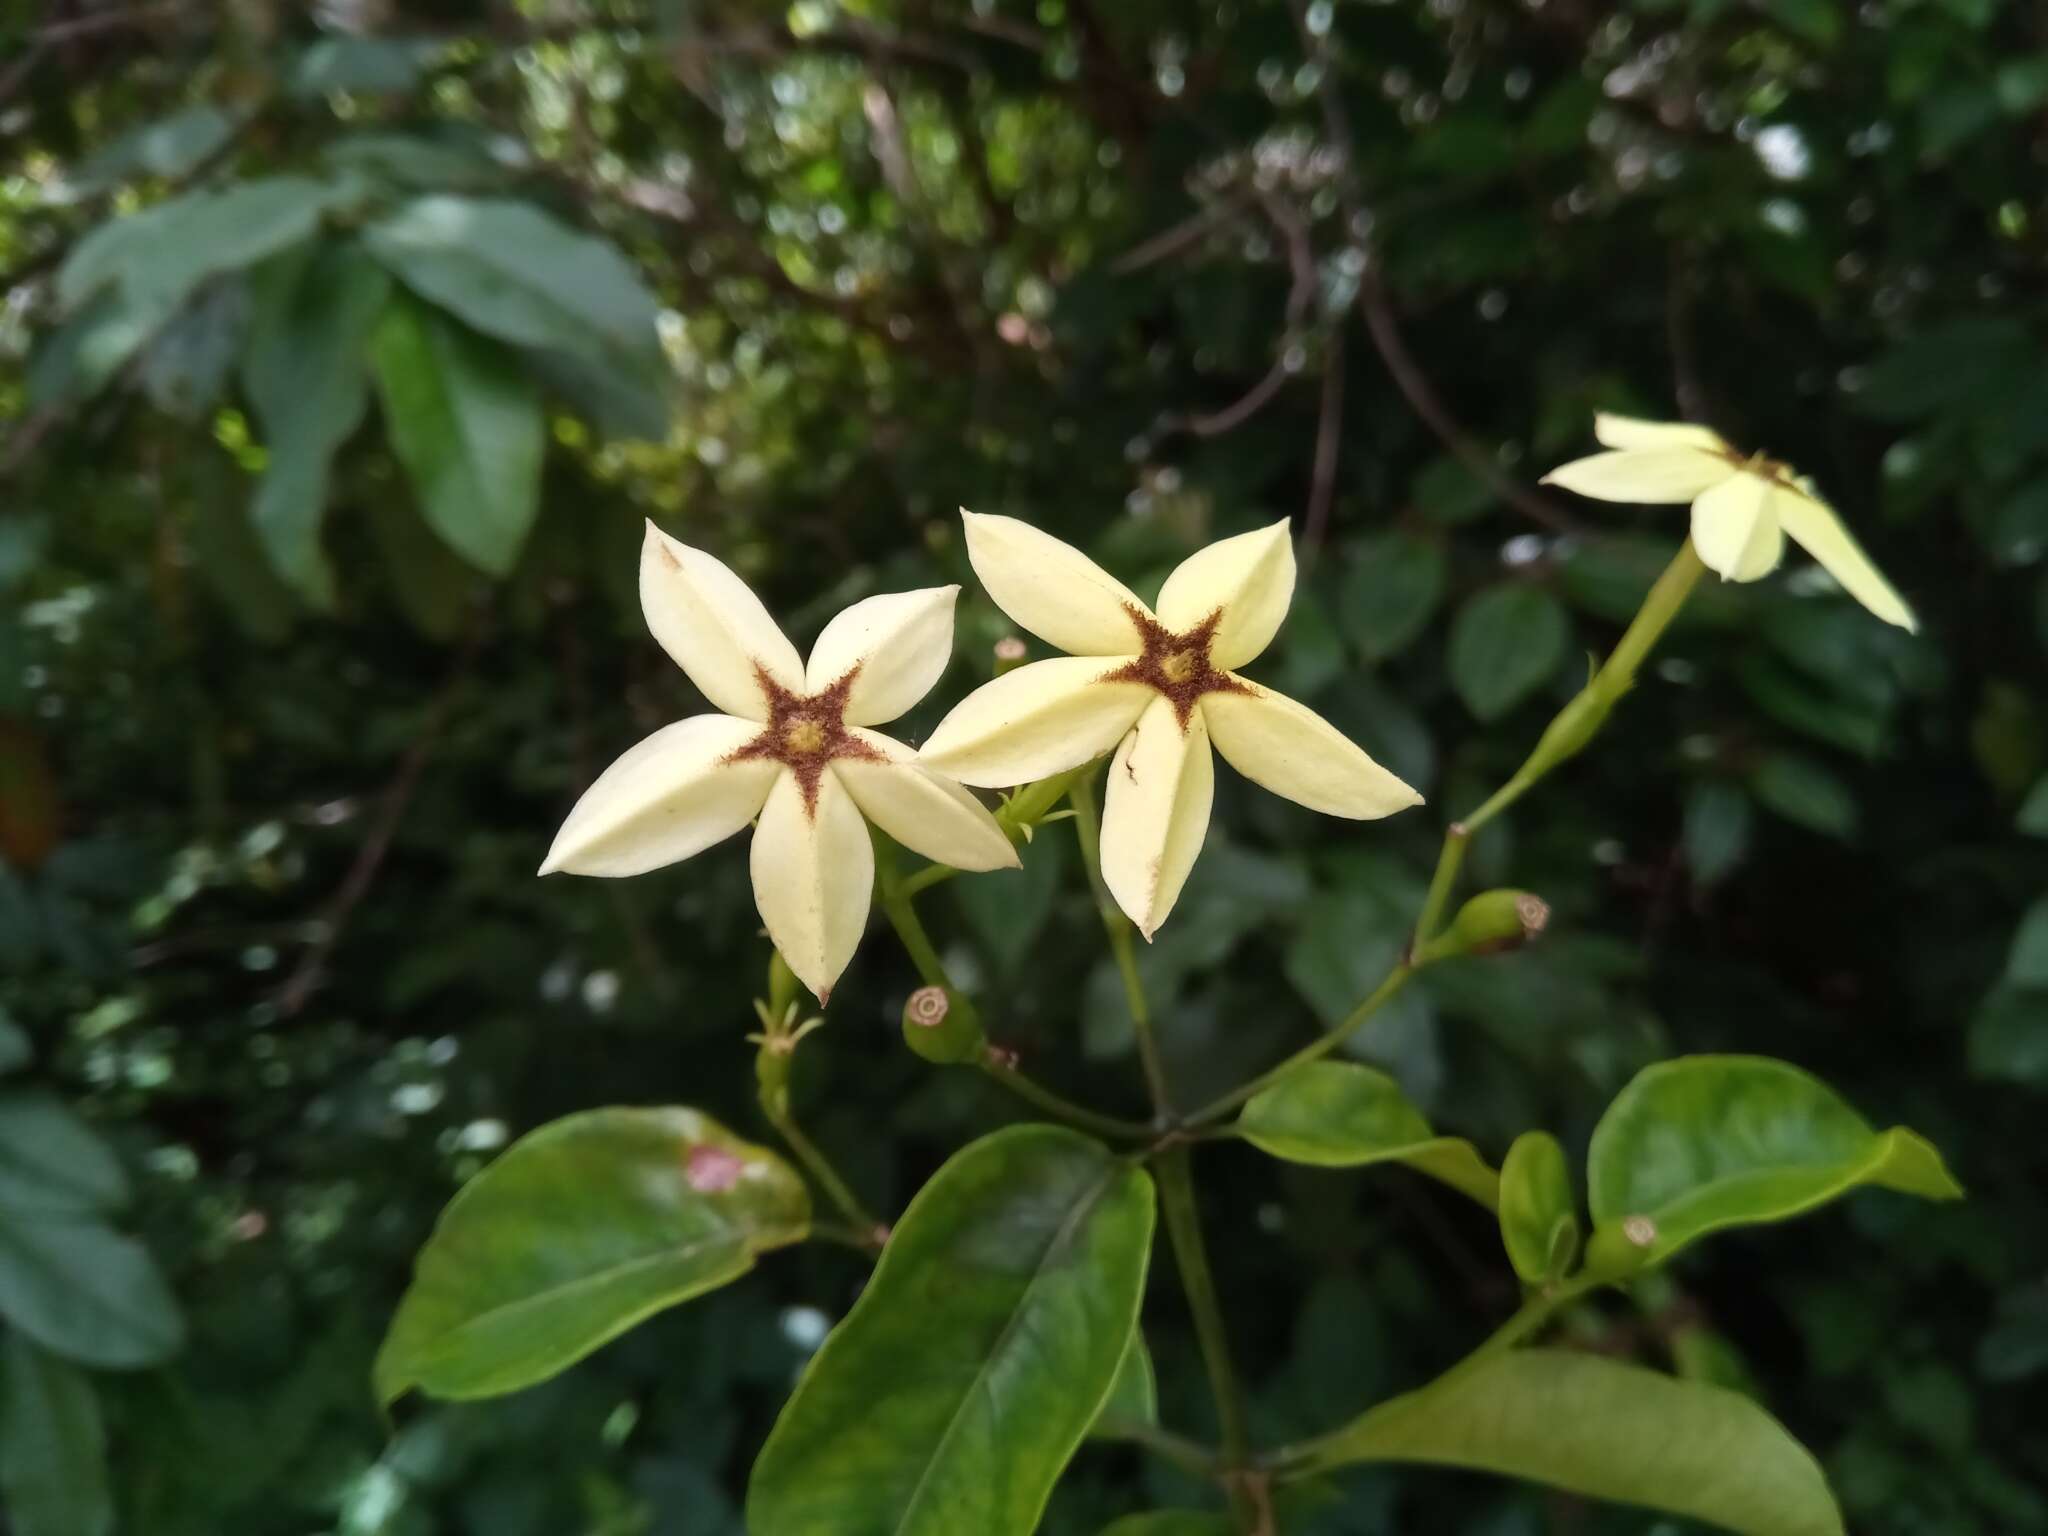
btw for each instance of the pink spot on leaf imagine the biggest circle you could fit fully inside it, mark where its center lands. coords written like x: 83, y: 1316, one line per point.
x: 713, y: 1170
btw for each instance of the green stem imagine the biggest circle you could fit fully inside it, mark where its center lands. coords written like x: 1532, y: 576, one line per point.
x: 820, y: 1168
x: 997, y: 1065
x: 1574, y: 726
x: 926, y: 878
x: 1191, y: 1456
x: 1088, y: 828
x: 1184, y: 1230
x: 924, y: 955
x: 1315, y: 1050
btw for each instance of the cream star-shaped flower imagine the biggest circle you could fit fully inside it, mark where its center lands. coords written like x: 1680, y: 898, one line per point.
x: 1161, y: 689
x: 1742, y: 507
x: 793, y: 747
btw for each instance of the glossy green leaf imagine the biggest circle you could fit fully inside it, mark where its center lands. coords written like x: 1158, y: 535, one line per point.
x: 1802, y: 791
x: 306, y: 374
x: 1506, y: 642
x: 580, y: 1230
x: 1706, y: 1142
x: 1134, y: 1395
x: 15, y: 1051
x: 1172, y: 1522
x: 51, y: 1162
x: 162, y: 253
x: 2032, y: 817
x: 2026, y: 964
x: 1604, y: 1430
x: 170, y: 147
x: 81, y: 357
x: 466, y: 423
x: 1539, y: 1221
x: 87, y: 1292
x: 1717, y: 829
x: 511, y: 271
x: 973, y: 1364
x: 1336, y: 1114
x: 1391, y: 592
x: 53, y: 1447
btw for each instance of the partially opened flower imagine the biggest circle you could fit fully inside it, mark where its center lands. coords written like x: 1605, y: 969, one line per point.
x: 793, y: 747
x: 1159, y: 688
x: 1743, y: 507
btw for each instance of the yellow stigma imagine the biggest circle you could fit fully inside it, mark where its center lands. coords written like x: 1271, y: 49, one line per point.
x: 1178, y: 666
x: 804, y: 738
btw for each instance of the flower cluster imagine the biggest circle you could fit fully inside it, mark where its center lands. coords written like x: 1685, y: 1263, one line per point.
x: 1155, y: 687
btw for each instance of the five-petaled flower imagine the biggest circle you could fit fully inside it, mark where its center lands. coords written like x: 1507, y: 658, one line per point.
x: 1158, y: 687
x: 794, y: 747
x: 1742, y: 506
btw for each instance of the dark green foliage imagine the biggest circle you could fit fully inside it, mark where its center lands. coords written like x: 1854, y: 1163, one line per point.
x: 299, y: 669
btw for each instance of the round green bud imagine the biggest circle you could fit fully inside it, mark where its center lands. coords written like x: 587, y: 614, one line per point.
x: 942, y: 1026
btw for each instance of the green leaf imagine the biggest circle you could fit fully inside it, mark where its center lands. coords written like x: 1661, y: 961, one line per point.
x: 442, y: 161
x: 82, y: 356
x: 1707, y: 1142
x: 1391, y: 592
x: 511, y: 271
x: 1539, y: 1221
x: 1336, y: 1114
x: 1717, y: 828
x: 1817, y: 21
x: 631, y: 404
x: 305, y: 374
x: 431, y: 584
x: 232, y: 561
x: 467, y: 425
x: 87, y: 1292
x: 2033, y: 813
x: 1604, y: 1430
x: 1505, y: 644
x: 188, y: 362
x: 1802, y: 791
x: 2009, y: 1036
x: 171, y: 147
x: 1447, y: 490
x: 1172, y: 1522
x: 953, y: 1394
x: 2027, y: 963
x: 359, y: 64
x: 580, y: 1230
x: 51, y: 1162
x: 53, y: 1447
x: 15, y: 1051
x: 162, y: 253
x: 1134, y: 1395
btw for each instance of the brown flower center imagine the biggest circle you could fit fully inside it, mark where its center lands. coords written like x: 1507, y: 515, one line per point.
x: 1177, y: 666
x: 805, y: 732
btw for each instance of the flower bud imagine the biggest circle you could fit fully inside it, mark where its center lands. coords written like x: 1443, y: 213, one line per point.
x: 942, y: 1026
x: 1489, y: 924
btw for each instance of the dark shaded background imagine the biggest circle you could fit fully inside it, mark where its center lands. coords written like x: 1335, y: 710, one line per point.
x: 1144, y: 273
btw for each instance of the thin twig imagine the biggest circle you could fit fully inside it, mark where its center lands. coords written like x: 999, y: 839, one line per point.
x: 1377, y: 308
x: 362, y: 874
x: 1322, y: 486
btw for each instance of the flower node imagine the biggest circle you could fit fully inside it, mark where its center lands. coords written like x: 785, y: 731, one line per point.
x: 1176, y: 665
x: 805, y: 732
x: 928, y: 1007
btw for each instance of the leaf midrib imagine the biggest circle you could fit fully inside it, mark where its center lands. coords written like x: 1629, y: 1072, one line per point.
x: 1058, y: 1246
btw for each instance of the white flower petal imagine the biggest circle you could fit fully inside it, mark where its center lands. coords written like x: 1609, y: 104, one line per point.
x: 1249, y: 579
x: 1051, y: 588
x: 1818, y: 530
x: 1040, y: 719
x: 1647, y: 475
x: 901, y: 641
x: 814, y: 872
x: 1290, y: 749
x: 1633, y: 432
x: 670, y: 796
x: 1155, y: 813
x: 926, y: 812
x: 714, y: 627
x: 1735, y: 528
